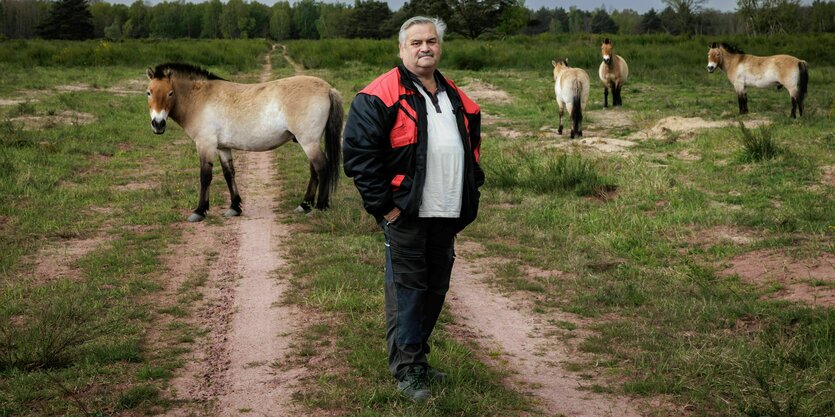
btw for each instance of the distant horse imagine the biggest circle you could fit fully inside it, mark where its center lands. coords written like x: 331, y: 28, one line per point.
x: 571, y: 86
x: 220, y: 116
x: 749, y: 70
x: 613, y: 72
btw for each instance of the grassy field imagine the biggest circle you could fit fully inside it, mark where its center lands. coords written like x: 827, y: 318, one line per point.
x: 637, y: 234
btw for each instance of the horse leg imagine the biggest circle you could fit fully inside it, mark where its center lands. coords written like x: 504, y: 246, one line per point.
x: 606, y: 96
x: 229, y: 175
x: 573, y: 132
x: 206, y: 165
x: 307, y: 203
x: 743, y: 102
x: 318, y: 173
x: 562, y: 110
x: 616, y: 94
x: 794, y: 108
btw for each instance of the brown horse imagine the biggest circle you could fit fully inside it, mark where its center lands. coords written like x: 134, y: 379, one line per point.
x: 745, y: 70
x: 571, y: 86
x: 220, y: 116
x: 613, y: 73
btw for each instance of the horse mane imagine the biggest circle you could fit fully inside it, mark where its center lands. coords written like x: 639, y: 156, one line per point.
x: 732, y: 49
x: 188, y: 70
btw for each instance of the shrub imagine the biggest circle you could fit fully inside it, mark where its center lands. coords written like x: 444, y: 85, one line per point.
x: 757, y: 145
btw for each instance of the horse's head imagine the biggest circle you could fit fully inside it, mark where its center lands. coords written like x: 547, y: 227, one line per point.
x: 559, y: 65
x: 606, y: 51
x: 160, y: 98
x: 714, y: 57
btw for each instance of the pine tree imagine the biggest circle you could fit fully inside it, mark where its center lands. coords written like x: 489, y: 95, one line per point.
x: 68, y: 19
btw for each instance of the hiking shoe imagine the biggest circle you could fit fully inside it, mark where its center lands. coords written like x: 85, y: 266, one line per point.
x: 414, y: 384
x: 435, y: 376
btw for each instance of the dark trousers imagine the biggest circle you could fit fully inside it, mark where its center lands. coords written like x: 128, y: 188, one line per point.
x: 419, y: 257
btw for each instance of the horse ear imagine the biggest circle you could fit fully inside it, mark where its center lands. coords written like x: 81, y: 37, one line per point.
x: 168, y: 72
x: 554, y: 63
x: 606, y: 41
x: 150, y: 73
x: 713, y: 45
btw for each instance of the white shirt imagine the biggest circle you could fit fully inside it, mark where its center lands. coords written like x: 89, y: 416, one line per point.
x: 444, y: 185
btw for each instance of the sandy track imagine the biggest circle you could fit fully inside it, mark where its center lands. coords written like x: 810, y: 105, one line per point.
x: 242, y: 368
x: 535, y: 359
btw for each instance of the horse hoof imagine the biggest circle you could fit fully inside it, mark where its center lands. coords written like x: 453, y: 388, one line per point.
x: 195, y: 218
x: 232, y: 213
x: 301, y: 209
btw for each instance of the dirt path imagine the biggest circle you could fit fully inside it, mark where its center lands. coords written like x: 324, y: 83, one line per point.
x: 535, y: 359
x: 297, y: 68
x: 241, y: 369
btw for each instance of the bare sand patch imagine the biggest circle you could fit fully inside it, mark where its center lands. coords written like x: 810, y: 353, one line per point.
x: 803, y: 280
x: 479, y: 90
x: 828, y: 175
x: 55, y: 261
x: 67, y: 117
x: 136, y: 186
x: 508, y: 133
x: 663, y: 127
x: 611, y: 118
x: 14, y: 101
x: 722, y: 234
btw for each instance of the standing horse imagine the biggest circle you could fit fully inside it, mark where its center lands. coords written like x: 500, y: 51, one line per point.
x: 749, y: 70
x: 613, y: 72
x: 220, y: 116
x: 571, y: 86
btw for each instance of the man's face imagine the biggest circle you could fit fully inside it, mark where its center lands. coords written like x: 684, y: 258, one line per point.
x: 421, y: 51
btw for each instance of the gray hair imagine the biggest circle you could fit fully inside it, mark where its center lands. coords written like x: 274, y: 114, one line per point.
x: 439, y: 24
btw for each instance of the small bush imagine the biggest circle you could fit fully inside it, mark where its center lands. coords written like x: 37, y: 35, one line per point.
x: 758, y: 145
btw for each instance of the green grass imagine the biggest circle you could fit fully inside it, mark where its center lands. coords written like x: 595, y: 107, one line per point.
x: 77, y: 344
x: 674, y: 325
x: 640, y: 263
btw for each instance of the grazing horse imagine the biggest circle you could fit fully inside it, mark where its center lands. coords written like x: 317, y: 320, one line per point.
x: 745, y: 70
x: 220, y: 116
x: 613, y: 72
x: 571, y: 86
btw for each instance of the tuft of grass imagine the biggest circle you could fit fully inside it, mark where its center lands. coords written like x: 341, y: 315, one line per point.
x: 757, y: 145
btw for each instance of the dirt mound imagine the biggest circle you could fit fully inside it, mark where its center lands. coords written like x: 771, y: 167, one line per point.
x: 665, y: 126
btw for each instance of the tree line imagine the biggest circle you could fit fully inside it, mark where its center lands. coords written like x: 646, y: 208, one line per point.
x: 311, y: 19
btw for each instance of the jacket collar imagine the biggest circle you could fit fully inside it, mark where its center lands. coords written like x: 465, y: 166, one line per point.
x: 411, y: 81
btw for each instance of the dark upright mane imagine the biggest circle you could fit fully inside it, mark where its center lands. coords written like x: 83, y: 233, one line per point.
x: 732, y: 49
x: 188, y: 70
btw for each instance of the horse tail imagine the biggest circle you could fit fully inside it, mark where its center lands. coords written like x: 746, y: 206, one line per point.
x: 333, y: 139
x: 577, y: 105
x: 802, y: 81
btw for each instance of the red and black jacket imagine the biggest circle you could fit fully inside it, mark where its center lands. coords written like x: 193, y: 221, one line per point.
x: 384, y: 146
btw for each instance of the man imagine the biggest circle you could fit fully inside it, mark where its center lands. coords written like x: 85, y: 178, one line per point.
x: 412, y: 144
